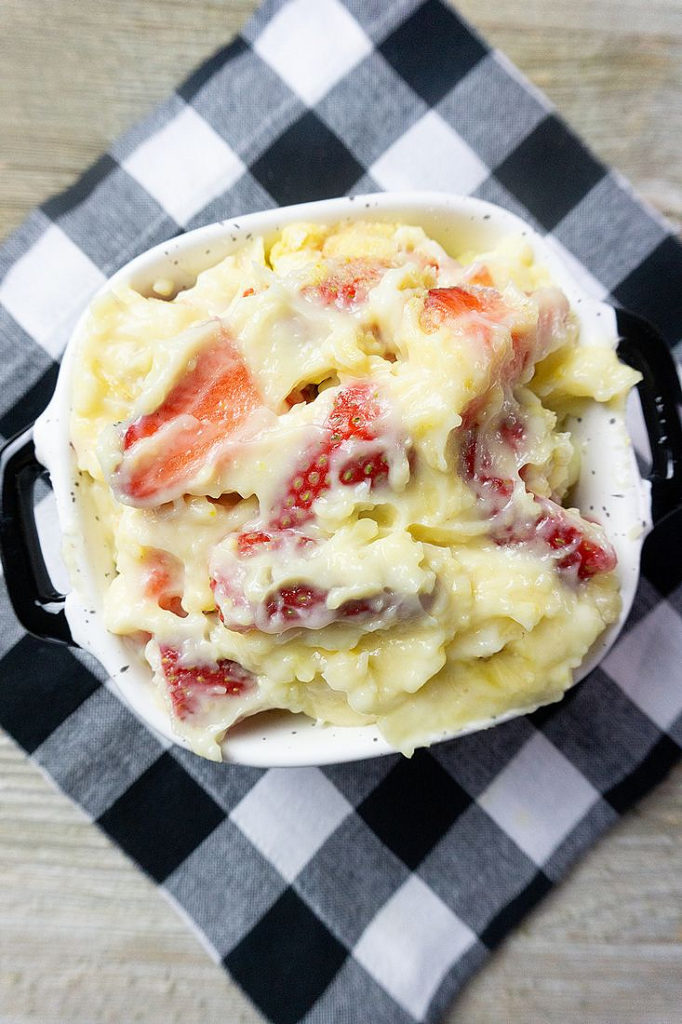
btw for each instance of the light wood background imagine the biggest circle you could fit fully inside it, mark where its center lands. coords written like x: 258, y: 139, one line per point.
x: 84, y: 937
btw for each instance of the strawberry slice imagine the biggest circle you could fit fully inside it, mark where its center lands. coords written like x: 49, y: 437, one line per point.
x: 479, y: 274
x: 301, y: 605
x: 305, y: 606
x: 253, y: 540
x: 477, y: 468
x: 579, y: 553
x: 512, y: 428
x: 353, y: 418
x: 446, y: 305
x: 163, y: 580
x: 576, y: 551
x: 349, y: 285
x: 213, y: 398
x: 190, y: 686
x: 481, y: 308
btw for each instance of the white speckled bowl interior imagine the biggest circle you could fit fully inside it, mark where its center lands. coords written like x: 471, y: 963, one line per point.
x: 609, y: 484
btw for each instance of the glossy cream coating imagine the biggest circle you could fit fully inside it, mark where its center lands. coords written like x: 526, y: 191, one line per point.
x: 435, y: 591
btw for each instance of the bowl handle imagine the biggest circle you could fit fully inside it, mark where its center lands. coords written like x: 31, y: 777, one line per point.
x: 37, y: 604
x: 642, y: 347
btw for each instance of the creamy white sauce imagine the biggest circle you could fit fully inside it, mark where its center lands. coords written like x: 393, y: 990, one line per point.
x: 412, y: 589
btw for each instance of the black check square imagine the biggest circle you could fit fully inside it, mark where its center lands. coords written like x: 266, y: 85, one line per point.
x: 675, y: 731
x: 287, y: 961
x: 646, y: 599
x: 413, y: 808
x: 307, y: 162
x: 662, y: 555
x: 654, y: 289
x: 675, y: 595
x: 356, y: 780
x: 432, y: 50
x: 549, y: 172
x: 226, y: 783
x: 41, y: 684
x: 161, y: 818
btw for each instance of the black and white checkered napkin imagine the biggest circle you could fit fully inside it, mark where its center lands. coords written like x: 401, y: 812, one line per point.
x: 368, y: 891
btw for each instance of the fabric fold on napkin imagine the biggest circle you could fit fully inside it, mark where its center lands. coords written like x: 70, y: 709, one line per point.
x: 365, y: 891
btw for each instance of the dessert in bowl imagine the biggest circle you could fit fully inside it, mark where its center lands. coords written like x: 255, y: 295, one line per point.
x: 352, y: 477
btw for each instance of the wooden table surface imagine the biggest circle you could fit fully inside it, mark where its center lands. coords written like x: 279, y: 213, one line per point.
x: 84, y: 937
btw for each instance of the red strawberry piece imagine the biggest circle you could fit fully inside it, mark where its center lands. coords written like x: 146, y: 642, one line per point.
x: 512, y: 429
x: 580, y: 552
x: 446, y: 305
x: 189, y: 686
x: 348, y: 286
x: 298, y: 604
x: 306, y: 606
x: 253, y: 540
x: 480, y: 275
x: 373, y: 468
x: 163, y: 580
x: 353, y: 417
x: 292, y: 605
x: 476, y: 467
x: 215, y: 396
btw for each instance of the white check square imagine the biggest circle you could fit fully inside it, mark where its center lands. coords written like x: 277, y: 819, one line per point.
x: 288, y: 815
x: 48, y: 287
x: 646, y: 665
x: 184, y: 165
x: 430, y: 155
x: 538, y: 798
x: 411, y: 943
x: 311, y: 44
